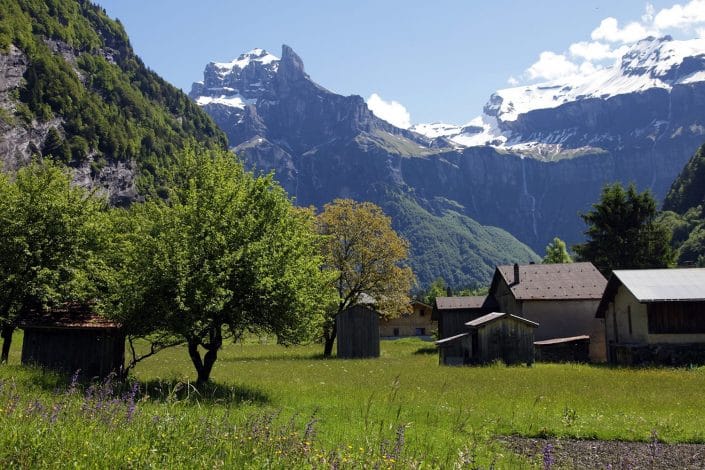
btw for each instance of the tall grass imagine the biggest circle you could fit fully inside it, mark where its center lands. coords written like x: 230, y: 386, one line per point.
x: 271, y: 406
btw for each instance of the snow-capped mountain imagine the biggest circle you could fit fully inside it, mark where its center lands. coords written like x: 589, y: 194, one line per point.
x: 548, y: 119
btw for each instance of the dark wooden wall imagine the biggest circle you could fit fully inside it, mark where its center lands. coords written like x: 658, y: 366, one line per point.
x: 358, y: 333
x: 506, y: 339
x: 96, y: 352
x: 569, y: 351
x: 451, y: 323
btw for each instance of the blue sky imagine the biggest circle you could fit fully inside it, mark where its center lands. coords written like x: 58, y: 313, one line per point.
x: 440, y: 60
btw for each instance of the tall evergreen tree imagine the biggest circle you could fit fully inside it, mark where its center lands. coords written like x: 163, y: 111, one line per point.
x: 623, y: 232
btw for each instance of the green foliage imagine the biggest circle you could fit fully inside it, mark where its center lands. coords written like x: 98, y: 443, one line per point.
x: 48, y: 232
x: 116, y: 107
x: 438, y: 288
x: 461, y: 248
x: 557, y: 252
x: 225, y: 250
x: 688, y: 190
x: 624, y: 232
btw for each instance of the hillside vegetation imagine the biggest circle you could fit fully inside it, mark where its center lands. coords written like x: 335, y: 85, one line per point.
x: 684, y: 206
x: 110, y: 107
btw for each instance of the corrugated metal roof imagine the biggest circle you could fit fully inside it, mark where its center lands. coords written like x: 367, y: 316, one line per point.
x: 450, y: 339
x: 490, y: 317
x: 458, y: 303
x: 654, y: 285
x: 570, y: 281
x: 562, y: 340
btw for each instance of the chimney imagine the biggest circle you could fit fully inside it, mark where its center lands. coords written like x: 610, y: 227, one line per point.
x: 516, y: 273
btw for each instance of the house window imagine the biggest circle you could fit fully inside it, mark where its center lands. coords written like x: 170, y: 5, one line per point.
x: 629, y: 317
x: 676, y: 317
x: 420, y: 331
x: 396, y: 331
x: 422, y: 312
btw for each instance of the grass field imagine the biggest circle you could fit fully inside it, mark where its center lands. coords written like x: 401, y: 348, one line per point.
x: 278, y: 407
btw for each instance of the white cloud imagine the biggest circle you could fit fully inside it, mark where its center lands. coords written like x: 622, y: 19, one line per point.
x: 648, y: 15
x: 681, y: 16
x: 391, y: 111
x: 551, y: 66
x: 512, y: 81
x: 609, y: 30
x: 591, y: 50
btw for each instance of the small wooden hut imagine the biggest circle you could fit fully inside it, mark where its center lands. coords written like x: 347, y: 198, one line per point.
x: 502, y: 336
x: 72, y: 337
x: 491, y: 337
x: 358, y: 332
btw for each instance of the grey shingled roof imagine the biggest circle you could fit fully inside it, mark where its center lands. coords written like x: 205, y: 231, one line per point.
x: 570, y: 281
x: 459, y: 303
x: 450, y: 339
x: 490, y: 317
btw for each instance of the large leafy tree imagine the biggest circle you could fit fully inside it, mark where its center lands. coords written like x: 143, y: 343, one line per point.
x: 557, y: 252
x: 623, y: 232
x: 49, y: 244
x: 225, y: 253
x: 367, y: 257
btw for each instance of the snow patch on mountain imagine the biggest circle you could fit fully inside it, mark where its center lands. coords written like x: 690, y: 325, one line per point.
x: 232, y: 101
x: 255, y: 55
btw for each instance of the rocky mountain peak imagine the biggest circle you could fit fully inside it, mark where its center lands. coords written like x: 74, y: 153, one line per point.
x: 292, y: 67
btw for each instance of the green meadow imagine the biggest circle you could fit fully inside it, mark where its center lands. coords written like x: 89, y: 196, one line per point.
x: 275, y: 407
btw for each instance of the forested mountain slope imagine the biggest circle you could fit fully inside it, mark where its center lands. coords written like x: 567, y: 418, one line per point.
x: 71, y: 87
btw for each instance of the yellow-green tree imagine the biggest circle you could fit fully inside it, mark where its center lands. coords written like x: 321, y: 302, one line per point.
x: 557, y: 252
x: 368, y: 259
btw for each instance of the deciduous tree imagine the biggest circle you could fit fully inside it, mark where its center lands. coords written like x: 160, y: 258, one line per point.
x: 225, y: 253
x: 47, y: 228
x: 557, y: 252
x: 367, y: 257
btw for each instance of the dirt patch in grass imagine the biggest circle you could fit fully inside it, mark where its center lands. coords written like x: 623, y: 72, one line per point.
x: 576, y: 453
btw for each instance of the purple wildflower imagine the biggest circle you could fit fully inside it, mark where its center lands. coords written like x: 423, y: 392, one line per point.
x: 548, y: 460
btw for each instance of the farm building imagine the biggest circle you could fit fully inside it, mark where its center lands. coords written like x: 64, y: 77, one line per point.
x: 491, y: 337
x: 358, y: 332
x: 562, y: 298
x: 572, y: 349
x: 73, y: 337
x: 655, y: 316
x: 418, y: 322
x: 452, y: 314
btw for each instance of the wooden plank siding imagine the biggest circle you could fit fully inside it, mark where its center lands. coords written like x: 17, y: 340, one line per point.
x: 358, y: 333
x: 676, y: 317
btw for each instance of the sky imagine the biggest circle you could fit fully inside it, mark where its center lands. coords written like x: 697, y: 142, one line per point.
x: 413, y: 61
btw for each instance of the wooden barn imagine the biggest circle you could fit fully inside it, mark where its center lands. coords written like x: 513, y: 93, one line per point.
x: 655, y: 316
x: 562, y: 298
x: 418, y: 322
x: 572, y: 349
x: 358, y: 332
x: 452, y: 313
x: 491, y: 337
x: 72, y: 337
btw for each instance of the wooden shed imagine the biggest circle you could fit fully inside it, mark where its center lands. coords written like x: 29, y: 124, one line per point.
x: 491, y: 337
x: 452, y: 314
x: 358, y: 332
x: 73, y: 337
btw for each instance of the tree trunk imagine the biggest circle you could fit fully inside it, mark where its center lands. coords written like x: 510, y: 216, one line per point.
x: 204, y: 365
x: 329, y: 339
x: 6, y: 334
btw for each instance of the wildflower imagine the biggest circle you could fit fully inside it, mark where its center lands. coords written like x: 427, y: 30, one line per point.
x: 548, y: 460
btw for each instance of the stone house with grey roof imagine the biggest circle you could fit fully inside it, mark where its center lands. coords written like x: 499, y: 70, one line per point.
x: 655, y: 316
x: 561, y: 298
